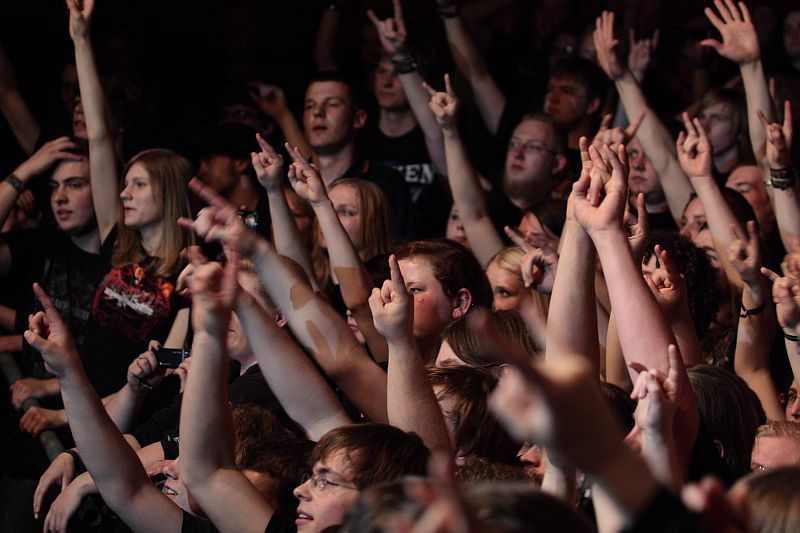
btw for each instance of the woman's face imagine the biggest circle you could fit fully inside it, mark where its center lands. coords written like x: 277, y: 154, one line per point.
x: 508, y: 291
x: 433, y: 309
x: 447, y: 357
x: 345, y: 201
x: 455, y: 229
x: 304, y: 223
x: 139, y: 201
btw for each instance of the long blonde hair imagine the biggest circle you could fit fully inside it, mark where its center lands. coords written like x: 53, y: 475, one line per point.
x: 169, y: 174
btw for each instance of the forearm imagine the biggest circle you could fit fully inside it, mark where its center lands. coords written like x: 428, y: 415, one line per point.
x: 20, y: 120
x: 572, y: 319
x: 375, y: 341
x: 206, y: 426
x: 286, y: 235
x: 786, y: 205
x: 299, y: 387
x: 617, y: 372
x: 470, y: 201
x: 325, y: 45
x: 658, y: 451
x: 686, y: 338
x: 488, y: 96
x: 123, y: 407
x: 758, y: 99
x: 418, y: 100
x: 294, y: 135
x: 411, y: 403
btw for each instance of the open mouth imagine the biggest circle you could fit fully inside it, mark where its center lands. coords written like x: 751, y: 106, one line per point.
x: 302, y: 518
x: 168, y: 491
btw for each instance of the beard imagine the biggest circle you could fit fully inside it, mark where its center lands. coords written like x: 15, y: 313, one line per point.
x: 531, y: 189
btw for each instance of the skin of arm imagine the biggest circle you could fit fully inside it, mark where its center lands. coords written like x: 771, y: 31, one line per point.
x: 786, y: 296
x: 272, y: 101
x: 111, y: 461
x: 315, y: 324
x: 269, y: 170
x: 489, y: 98
x: 411, y: 403
x: 20, y: 119
x: 392, y: 33
x: 103, y: 160
x: 652, y: 133
x: 484, y: 239
x: 292, y: 377
x: 207, y: 463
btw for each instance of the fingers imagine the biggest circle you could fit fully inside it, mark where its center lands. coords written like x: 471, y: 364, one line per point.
x: 701, y: 131
x: 375, y: 20
x: 606, y: 122
x: 266, y: 147
x: 517, y: 238
x: 643, y: 220
x: 773, y: 277
x: 763, y: 119
x: 448, y: 87
x: 398, y: 283
x: 431, y: 91
x: 787, y: 121
x: 49, y: 309
x: 656, y: 36
x: 398, y: 12
x: 666, y: 261
x: 583, y: 145
x: 630, y: 131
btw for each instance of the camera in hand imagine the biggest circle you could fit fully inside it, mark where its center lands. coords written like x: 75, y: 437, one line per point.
x: 171, y: 357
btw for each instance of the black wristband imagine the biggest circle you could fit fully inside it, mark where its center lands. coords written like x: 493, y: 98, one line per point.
x: 447, y: 11
x: 789, y: 337
x: 15, y: 182
x: 79, y: 467
x: 744, y: 313
x: 405, y: 65
x: 781, y: 178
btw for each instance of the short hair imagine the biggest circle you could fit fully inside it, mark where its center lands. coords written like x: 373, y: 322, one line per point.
x: 374, y: 452
x: 475, y: 349
x: 377, y: 504
x: 774, y: 501
x: 477, y: 430
x: 169, y: 174
x: 585, y: 73
x: 559, y: 135
x: 453, y: 266
x: 730, y: 411
x: 779, y: 428
x: 354, y: 96
x: 474, y: 468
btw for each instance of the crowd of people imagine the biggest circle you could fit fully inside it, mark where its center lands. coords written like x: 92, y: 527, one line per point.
x: 535, y: 268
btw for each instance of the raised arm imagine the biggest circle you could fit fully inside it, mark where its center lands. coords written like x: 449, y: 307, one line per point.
x: 484, y: 240
x: 740, y: 45
x: 781, y: 178
x: 112, y: 463
x: 411, y: 403
x: 392, y: 33
x: 354, y: 281
x: 269, y: 171
x: 207, y: 464
x: 103, y: 160
x: 490, y: 99
x: 315, y: 324
x: 654, y: 136
x: 19, y: 117
x: 297, y: 384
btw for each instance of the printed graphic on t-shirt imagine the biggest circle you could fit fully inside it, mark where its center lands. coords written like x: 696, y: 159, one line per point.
x: 131, y: 302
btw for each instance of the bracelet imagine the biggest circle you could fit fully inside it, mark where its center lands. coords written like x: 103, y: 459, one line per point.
x: 781, y: 178
x: 15, y: 182
x: 405, y: 64
x: 789, y: 337
x: 744, y: 313
x: 76, y: 458
x: 448, y: 11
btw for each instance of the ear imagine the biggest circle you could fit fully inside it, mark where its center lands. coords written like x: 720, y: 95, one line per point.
x: 359, y: 119
x: 593, y: 106
x: 559, y: 164
x: 720, y: 448
x: 240, y: 165
x: 462, y: 302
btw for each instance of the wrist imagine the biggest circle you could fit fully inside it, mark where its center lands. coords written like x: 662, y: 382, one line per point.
x: 23, y: 172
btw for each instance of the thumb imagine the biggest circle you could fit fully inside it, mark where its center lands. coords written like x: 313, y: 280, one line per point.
x: 713, y: 43
x: 35, y: 340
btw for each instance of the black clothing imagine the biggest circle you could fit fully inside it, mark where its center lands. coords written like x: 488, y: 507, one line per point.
x: 279, y: 523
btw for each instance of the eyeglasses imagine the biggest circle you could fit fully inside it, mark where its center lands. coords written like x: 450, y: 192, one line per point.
x: 529, y: 147
x: 787, y: 398
x: 320, y: 483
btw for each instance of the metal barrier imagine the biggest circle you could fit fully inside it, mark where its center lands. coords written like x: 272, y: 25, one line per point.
x: 48, y: 438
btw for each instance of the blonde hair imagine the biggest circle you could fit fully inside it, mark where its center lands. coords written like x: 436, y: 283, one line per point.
x: 508, y: 258
x: 168, y: 173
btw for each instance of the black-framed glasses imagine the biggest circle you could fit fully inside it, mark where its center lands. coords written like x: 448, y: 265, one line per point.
x: 529, y: 147
x: 320, y: 483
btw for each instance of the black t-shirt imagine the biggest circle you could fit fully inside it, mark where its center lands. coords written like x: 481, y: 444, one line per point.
x: 279, y: 523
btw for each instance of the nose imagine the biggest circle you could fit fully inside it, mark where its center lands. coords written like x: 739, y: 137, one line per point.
x: 302, y: 491
x: 688, y: 230
x: 125, y: 193
x: 318, y: 112
x: 532, y: 457
x: 794, y: 410
x: 59, y: 196
x: 171, y: 470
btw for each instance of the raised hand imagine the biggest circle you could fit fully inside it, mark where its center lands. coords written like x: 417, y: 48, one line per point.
x: 49, y: 334
x: 739, y: 38
x: 213, y: 294
x: 694, y: 149
x: 779, y: 139
x: 604, y: 43
x: 269, y: 98
x: 641, y: 53
x: 392, y: 31
x: 219, y: 221
x: 637, y: 227
x: 304, y: 178
x: 144, y: 372
x: 444, y: 105
x: 539, y: 264
x: 657, y: 396
x: 80, y: 18
x: 392, y: 306
x: 268, y: 164
x: 668, y: 285
x: 43, y: 158
x: 786, y: 295
x: 615, y: 136
x: 744, y: 253
x: 601, y: 192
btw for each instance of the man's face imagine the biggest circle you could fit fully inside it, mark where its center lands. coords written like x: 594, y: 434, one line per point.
x: 774, y: 452
x: 218, y: 172
x: 643, y: 177
x: 388, y: 90
x: 71, y: 197
x: 530, y: 158
x: 328, y: 118
x: 792, y: 404
x: 566, y: 101
x: 718, y: 123
x: 320, y: 509
x: 747, y: 180
x: 791, y: 35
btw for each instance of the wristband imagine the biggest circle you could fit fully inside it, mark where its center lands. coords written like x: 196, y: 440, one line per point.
x: 744, y: 313
x: 15, y: 182
x: 788, y: 337
x: 405, y: 65
x: 77, y: 458
x: 447, y: 11
x: 781, y: 178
